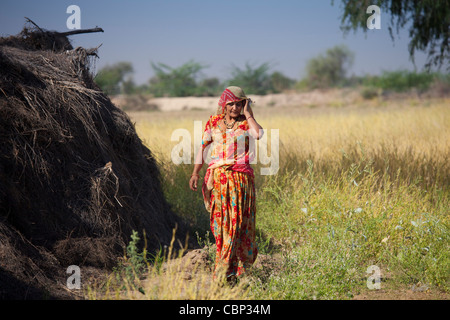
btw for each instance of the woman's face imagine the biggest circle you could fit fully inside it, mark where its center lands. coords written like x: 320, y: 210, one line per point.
x: 233, y: 109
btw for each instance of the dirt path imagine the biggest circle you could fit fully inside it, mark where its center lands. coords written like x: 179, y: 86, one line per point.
x: 394, y: 291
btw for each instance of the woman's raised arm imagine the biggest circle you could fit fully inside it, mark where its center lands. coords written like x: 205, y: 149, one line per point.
x: 255, y: 130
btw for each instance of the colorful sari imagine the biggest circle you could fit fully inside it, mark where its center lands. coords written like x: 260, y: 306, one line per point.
x: 229, y: 195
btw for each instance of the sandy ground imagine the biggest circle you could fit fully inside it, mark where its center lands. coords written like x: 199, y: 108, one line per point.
x: 309, y: 99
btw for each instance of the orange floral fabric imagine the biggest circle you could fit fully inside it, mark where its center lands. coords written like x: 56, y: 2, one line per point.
x: 231, y: 197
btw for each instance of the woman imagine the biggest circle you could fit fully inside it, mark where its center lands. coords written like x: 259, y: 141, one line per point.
x: 228, y: 187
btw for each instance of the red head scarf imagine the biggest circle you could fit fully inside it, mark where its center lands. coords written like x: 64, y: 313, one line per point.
x: 231, y: 94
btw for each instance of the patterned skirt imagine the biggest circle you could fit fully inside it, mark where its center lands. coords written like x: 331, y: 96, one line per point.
x: 233, y: 211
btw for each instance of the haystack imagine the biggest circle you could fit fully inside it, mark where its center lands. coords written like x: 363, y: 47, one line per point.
x: 75, y: 179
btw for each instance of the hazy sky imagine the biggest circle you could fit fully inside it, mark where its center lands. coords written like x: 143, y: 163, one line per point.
x: 219, y: 34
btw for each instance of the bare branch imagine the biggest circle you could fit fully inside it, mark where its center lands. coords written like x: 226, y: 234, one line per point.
x: 79, y: 31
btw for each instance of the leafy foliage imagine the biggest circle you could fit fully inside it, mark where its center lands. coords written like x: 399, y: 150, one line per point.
x: 428, y: 32
x: 401, y: 80
x: 258, y: 79
x: 111, y: 78
x: 329, y: 69
x: 187, y: 80
x: 179, y: 82
x: 280, y: 82
x: 136, y: 259
x: 255, y: 80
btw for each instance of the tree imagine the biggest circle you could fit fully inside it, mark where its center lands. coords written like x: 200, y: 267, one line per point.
x: 329, y: 69
x: 255, y: 80
x: 280, y: 82
x: 429, y: 31
x: 176, y: 82
x: 128, y: 86
x: 209, y: 87
x: 111, y: 78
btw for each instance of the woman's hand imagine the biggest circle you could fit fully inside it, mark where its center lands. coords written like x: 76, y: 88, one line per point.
x: 193, y: 182
x: 255, y: 130
x: 248, y: 112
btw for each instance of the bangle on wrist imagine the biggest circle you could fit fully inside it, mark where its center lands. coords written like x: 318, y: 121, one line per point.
x: 250, y: 117
x: 195, y: 174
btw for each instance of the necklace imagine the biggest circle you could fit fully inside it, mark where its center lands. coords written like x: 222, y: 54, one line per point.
x: 229, y: 126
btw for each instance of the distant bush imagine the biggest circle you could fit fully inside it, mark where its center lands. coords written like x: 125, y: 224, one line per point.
x: 280, y: 82
x: 259, y: 79
x: 255, y: 80
x: 111, y: 78
x: 369, y: 92
x: 401, y: 81
x: 175, y: 82
x: 330, y: 69
x: 441, y: 85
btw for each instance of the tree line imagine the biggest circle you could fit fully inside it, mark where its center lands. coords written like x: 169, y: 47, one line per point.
x: 327, y: 70
x: 188, y: 80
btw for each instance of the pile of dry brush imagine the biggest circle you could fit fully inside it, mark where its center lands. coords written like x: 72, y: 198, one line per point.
x: 75, y: 179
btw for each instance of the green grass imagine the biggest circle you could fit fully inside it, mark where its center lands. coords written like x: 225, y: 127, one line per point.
x: 333, y: 229
x: 328, y: 230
